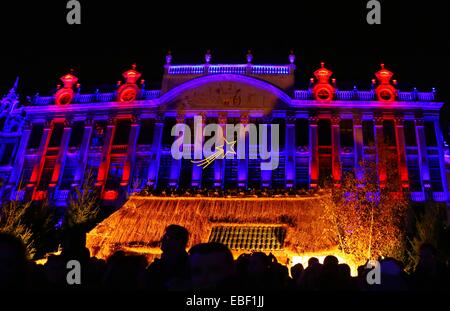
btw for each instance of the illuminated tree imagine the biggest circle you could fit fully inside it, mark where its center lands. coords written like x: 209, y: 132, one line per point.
x: 429, y: 227
x: 83, y: 204
x: 369, y: 220
x: 13, y: 222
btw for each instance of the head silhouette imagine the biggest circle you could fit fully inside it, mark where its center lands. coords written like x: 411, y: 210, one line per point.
x: 174, y: 240
x: 13, y: 262
x: 211, y: 266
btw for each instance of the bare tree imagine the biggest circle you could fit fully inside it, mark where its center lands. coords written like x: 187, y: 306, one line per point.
x: 83, y: 204
x: 369, y: 220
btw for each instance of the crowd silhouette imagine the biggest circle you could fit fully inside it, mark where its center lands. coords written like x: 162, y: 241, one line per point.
x: 206, y: 267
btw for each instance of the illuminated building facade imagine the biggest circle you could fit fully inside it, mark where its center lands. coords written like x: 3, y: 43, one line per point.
x: 123, y: 137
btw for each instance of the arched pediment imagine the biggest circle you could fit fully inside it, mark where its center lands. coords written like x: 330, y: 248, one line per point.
x: 225, y: 91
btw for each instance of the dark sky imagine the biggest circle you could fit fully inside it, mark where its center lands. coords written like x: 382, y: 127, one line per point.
x: 39, y: 46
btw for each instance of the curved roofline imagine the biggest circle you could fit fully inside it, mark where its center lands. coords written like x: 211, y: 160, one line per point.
x: 197, y: 82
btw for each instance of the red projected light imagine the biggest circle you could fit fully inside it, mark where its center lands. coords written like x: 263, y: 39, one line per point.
x: 323, y: 90
x: 385, y: 91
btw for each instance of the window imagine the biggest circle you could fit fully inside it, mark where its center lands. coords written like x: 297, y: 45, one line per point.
x: 76, y: 136
x: 368, y: 133
x: 324, y: 129
x: 410, y: 133
x: 122, y: 134
x: 7, y: 154
x: 146, y: 132
x: 430, y: 134
x: 301, y: 132
x: 68, y: 175
x: 98, y: 134
x: 435, y: 174
x: 346, y: 127
x: 114, y: 176
x: 35, y: 136
x: 389, y: 132
x: 56, y: 137
x: 2, y: 122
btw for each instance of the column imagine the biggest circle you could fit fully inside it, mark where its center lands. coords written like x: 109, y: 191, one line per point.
x: 289, y: 150
x: 19, y: 160
x: 379, y: 141
x: 336, y: 149
x: 358, y: 143
x: 219, y: 164
x: 266, y: 175
x: 41, y: 154
x: 198, y: 151
x: 156, y: 151
x: 422, y: 153
x: 103, y: 169
x: 401, y: 151
x: 58, y: 170
x: 175, y: 167
x: 242, y: 174
x: 313, y: 151
x: 83, y: 153
x: 131, y: 152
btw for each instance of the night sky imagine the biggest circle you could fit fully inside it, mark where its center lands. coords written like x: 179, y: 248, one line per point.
x: 39, y: 46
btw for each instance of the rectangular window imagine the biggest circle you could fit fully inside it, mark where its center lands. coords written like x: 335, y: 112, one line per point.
x: 346, y: 127
x: 389, y: 132
x: 123, y: 128
x: 7, y: 154
x: 324, y: 129
x: 368, y: 132
x: 68, y: 175
x: 430, y: 134
x: 301, y: 132
x: 410, y: 134
x: 98, y: 134
x: 35, y: 136
x: 76, y: 136
x: 146, y: 132
x: 55, y: 140
x: 435, y: 174
x: 114, y: 176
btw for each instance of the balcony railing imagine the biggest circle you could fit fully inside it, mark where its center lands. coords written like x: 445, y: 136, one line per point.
x: 418, y: 196
x: 61, y: 195
x: 230, y: 69
x: 439, y: 197
x: 119, y: 149
x: 367, y: 95
x: 240, y: 69
x: 93, y: 98
x: 18, y: 195
x: 151, y: 94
